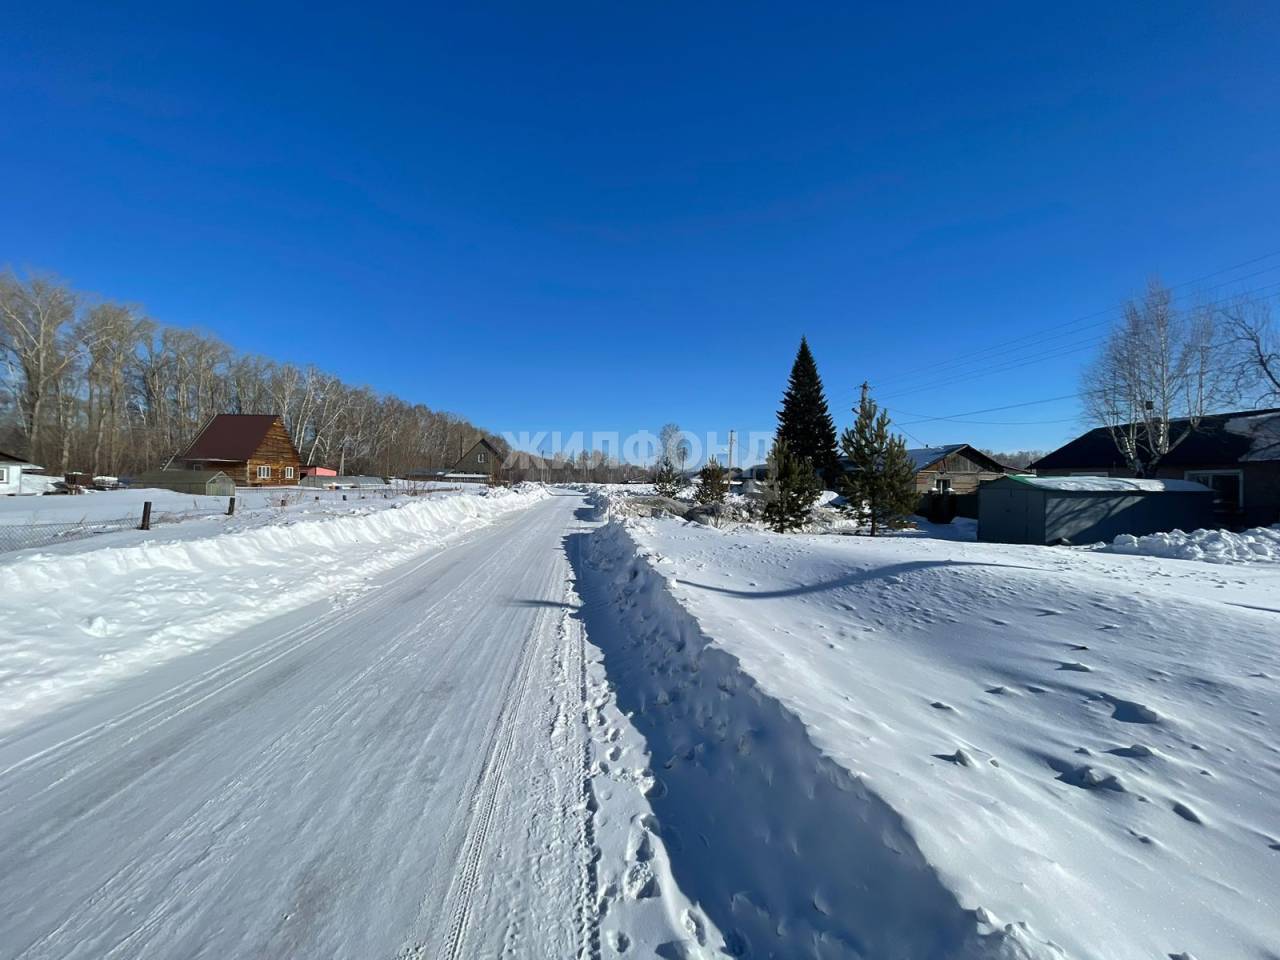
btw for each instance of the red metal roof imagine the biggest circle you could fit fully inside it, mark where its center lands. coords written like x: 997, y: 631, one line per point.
x: 231, y: 436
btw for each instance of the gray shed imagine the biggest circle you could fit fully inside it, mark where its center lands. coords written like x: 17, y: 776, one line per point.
x: 1024, y: 509
x: 213, y: 483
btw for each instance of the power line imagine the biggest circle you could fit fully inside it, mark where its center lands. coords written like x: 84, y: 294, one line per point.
x: 996, y: 423
x: 1008, y: 406
x: 1016, y: 362
x: 997, y: 351
x: 1039, y: 336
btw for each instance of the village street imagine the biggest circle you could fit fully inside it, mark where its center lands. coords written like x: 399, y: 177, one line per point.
x: 398, y: 772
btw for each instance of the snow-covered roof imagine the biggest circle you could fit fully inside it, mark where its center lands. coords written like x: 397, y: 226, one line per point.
x: 921, y: 457
x: 1111, y: 484
x: 1263, y: 431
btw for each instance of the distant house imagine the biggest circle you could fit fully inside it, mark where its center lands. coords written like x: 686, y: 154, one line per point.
x: 11, y: 470
x: 254, y: 450
x: 483, y: 457
x: 1237, y: 455
x: 314, y: 471
x: 483, y: 462
x: 952, y: 468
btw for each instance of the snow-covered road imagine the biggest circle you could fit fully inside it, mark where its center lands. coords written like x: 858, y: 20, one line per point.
x: 397, y: 772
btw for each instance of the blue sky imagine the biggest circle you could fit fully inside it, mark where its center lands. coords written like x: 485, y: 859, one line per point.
x: 607, y: 216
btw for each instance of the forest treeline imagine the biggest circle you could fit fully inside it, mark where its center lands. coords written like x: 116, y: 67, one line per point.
x: 94, y: 385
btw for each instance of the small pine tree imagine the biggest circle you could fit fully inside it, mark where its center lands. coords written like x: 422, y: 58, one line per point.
x: 713, y: 483
x: 804, y: 422
x: 667, y: 481
x: 790, y: 490
x: 880, y: 487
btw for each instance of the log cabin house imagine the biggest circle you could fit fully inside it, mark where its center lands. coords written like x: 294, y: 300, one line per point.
x: 253, y: 449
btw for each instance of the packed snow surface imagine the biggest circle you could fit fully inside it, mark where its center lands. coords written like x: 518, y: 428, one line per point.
x: 912, y: 747
x: 1261, y: 544
x: 89, y: 612
x: 394, y: 770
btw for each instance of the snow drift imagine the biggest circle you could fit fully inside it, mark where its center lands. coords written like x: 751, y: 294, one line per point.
x: 74, y: 621
x: 785, y: 852
x: 1069, y: 752
x: 1211, y: 546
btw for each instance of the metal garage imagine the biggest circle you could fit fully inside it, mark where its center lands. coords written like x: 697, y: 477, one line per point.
x: 1043, y: 510
x: 213, y: 483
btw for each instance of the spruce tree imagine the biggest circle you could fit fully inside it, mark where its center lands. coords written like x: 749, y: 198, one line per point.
x: 790, y: 490
x: 713, y: 483
x: 804, y: 422
x: 880, y: 487
x: 667, y: 481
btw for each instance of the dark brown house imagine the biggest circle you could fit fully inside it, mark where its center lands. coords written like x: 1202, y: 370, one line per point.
x: 1237, y: 455
x: 253, y: 449
x: 482, y: 458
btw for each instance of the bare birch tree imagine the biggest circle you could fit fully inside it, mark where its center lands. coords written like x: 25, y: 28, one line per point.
x: 1159, y: 372
x: 94, y: 385
x: 1248, y: 326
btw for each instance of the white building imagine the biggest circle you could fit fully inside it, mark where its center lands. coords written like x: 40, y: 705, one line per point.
x: 11, y: 469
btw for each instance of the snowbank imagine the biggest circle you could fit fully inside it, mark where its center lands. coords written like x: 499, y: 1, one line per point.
x: 1070, y: 753
x: 1211, y: 546
x: 785, y: 852
x: 74, y: 621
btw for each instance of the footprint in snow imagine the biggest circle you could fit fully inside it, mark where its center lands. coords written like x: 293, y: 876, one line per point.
x: 939, y: 705
x: 1076, y: 666
x: 1130, y: 711
x: 619, y: 941
x: 639, y: 883
x: 1087, y: 777
x: 1186, y: 813
x: 959, y: 758
x: 1136, y: 752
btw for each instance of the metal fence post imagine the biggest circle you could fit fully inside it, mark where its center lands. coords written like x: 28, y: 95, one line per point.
x: 146, y: 515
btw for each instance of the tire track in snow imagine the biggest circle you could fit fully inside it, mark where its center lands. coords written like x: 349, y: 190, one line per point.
x: 483, y: 803
x: 282, y: 746
x: 238, y: 669
x: 462, y: 890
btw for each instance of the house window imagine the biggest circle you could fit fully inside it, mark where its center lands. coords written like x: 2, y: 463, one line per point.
x: 264, y: 473
x: 1227, y: 487
x: 4, y: 474
x: 941, y: 485
x: 288, y: 473
x: 480, y: 457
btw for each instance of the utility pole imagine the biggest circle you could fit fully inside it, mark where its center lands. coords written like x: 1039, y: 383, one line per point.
x: 731, y: 438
